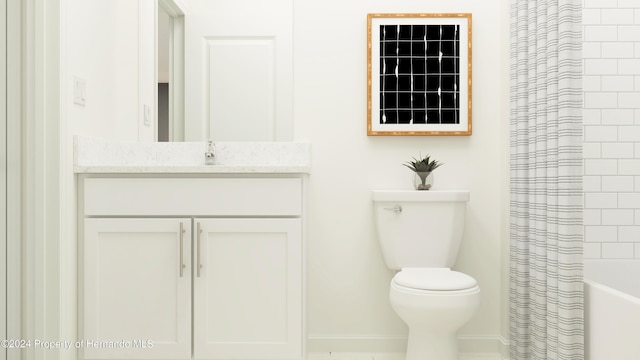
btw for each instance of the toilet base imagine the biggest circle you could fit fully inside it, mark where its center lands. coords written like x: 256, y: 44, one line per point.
x: 433, y: 318
x: 429, y: 346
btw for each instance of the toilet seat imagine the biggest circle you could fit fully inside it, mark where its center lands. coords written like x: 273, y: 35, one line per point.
x: 434, y: 279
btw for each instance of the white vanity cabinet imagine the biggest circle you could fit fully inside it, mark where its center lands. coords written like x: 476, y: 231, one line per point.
x: 200, y: 267
x: 247, y: 301
x: 137, y: 287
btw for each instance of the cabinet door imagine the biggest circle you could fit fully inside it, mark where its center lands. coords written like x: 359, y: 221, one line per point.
x: 137, y: 289
x: 248, y: 293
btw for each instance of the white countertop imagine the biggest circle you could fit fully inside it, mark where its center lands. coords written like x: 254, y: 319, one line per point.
x: 210, y: 169
x: 92, y: 156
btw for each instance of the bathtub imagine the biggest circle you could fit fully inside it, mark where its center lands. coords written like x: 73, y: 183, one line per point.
x: 612, y: 309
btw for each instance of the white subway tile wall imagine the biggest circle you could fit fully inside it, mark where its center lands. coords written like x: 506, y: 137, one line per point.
x: 611, y: 83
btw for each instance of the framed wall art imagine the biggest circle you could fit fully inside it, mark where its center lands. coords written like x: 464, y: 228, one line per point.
x: 419, y: 74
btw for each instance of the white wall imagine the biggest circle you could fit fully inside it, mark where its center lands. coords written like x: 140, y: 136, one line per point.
x: 102, y: 47
x: 165, y: 23
x: 612, y: 128
x: 348, y: 283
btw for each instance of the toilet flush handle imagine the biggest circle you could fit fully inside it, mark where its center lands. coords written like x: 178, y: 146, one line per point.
x: 396, y: 209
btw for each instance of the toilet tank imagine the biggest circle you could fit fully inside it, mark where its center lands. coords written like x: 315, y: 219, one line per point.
x: 420, y: 228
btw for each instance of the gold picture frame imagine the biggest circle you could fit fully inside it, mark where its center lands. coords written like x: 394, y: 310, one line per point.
x: 419, y: 74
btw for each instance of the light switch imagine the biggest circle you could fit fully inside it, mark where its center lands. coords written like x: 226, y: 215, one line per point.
x: 79, y: 91
x: 147, y: 115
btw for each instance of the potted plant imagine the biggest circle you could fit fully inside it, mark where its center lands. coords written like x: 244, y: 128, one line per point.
x: 422, y: 168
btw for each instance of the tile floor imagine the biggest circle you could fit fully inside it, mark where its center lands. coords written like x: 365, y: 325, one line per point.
x: 390, y: 356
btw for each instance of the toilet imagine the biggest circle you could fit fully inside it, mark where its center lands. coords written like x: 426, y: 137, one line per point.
x: 420, y: 233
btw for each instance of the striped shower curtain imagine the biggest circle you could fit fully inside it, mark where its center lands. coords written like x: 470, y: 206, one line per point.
x: 546, y: 295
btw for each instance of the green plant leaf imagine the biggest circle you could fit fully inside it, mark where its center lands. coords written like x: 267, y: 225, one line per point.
x: 425, y: 164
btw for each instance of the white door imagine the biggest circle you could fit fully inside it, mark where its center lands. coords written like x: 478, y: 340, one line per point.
x: 3, y: 178
x: 248, y: 293
x: 239, y: 70
x: 137, y: 289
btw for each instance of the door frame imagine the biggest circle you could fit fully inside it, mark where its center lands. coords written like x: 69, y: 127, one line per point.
x: 176, y: 66
x: 13, y: 132
x: 44, y: 202
x: 3, y: 178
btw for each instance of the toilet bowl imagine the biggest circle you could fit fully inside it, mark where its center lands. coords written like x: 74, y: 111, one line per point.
x: 420, y: 233
x: 434, y: 303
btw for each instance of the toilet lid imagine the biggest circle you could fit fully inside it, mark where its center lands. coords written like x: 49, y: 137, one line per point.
x: 442, y: 279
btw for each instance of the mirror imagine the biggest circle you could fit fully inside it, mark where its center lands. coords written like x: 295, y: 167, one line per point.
x: 225, y: 48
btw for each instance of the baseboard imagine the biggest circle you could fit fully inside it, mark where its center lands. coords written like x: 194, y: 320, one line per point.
x: 390, y: 356
x: 358, y: 347
x: 356, y: 344
x: 484, y: 345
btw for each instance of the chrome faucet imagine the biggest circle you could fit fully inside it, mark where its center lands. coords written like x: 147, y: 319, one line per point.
x: 208, y: 156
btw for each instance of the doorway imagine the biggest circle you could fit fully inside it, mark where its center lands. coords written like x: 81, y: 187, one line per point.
x: 170, y: 71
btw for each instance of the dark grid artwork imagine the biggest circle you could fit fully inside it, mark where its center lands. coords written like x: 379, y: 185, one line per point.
x: 419, y: 74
